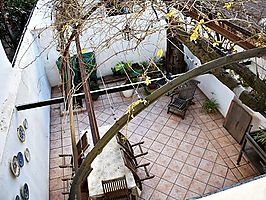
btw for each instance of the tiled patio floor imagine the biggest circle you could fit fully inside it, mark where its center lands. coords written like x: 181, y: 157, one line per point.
x: 188, y: 157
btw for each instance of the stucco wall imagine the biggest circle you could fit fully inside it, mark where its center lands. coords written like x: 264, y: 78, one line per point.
x: 104, y: 36
x: 25, y: 83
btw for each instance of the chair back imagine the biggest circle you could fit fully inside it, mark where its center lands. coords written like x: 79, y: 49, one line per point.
x: 123, y: 141
x: 115, y: 189
x: 188, y: 89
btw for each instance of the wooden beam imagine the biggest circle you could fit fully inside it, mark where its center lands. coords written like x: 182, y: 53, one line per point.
x: 224, y: 32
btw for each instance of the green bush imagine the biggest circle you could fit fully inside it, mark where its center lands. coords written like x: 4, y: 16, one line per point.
x: 210, y: 106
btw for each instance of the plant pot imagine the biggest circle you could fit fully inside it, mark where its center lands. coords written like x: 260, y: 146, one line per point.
x: 128, y: 93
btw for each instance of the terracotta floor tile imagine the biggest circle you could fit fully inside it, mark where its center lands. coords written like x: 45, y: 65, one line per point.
x: 197, y: 187
x: 205, y: 118
x: 175, y: 165
x: 231, y: 150
x: 170, y: 175
x: 55, y: 144
x: 56, y: 195
x: 193, y: 131
x: 217, y: 133
x: 161, y: 120
x: 246, y: 170
x: 216, y: 181
x: 134, y: 138
x: 54, y: 153
x: 202, y: 176
x: 162, y: 138
x: 146, y: 192
x: 184, y: 146
x: 193, y: 160
x: 172, y: 142
x: 153, y: 182
x: 171, y: 123
x: 168, y: 151
x: 151, y: 134
x: 211, y: 125
x: 191, y: 195
x: 158, y: 196
x: 223, y: 141
x: 157, y: 146
x: 152, y: 155
x: 163, y: 160
x: 56, y: 184
x: 231, y: 176
x: 156, y: 110
x: 210, y: 189
x: 141, y: 130
x: 151, y: 116
x: 180, y: 155
x: 220, y: 170
x: 147, y: 142
x: 167, y: 130
x: 197, y: 151
x: 206, y: 165
x: 188, y: 120
x: 220, y: 160
x: 178, y: 134
x: 228, y: 183
x: 190, y: 138
x: 210, y: 155
x: 182, y: 127
x: 188, y: 170
x: 55, y: 162
x: 202, y: 142
x: 156, y: 127
x: 157, y: 170
x: 146, y: 123
x: 132, y: 127
x: 164, y: 186
x: 178, y: 192
x: 183, y: 181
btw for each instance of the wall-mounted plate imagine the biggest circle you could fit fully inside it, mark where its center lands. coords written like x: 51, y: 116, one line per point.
x: 25, y: 124
x: 20, y: 159
x: 21, y: 133
x: 24, y: 191
x: 17, y: 198
x: 27, y: 155
x: 14, y: 166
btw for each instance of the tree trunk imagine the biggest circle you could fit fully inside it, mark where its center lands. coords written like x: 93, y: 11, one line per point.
x: 255, y: 100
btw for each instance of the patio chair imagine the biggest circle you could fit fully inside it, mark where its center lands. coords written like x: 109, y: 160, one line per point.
x: 181, y: 98
x: 123, y: 141
x: 130, y: 164
x: 82, y: 146
x: 115, y: 189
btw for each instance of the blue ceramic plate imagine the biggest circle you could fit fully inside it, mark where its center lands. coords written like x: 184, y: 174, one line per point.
x: 20, y: 159
x: 27, y: 154
x: 21, y: 133
x: 14, y: 166
x: 25, y: 124
x: 25, y: 193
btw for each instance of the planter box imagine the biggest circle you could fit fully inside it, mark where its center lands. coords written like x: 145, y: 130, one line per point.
x: 255, y: 152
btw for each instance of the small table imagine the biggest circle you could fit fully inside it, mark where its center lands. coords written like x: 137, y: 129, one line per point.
x: 108, y: 165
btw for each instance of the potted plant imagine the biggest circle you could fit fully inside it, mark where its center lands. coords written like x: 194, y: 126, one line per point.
x: 128, y: 93
x: 260, y: 138
x: 210, y: 106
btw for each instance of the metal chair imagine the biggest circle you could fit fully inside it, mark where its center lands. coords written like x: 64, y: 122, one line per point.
x: 116, y: 189
x: 130, y: 164
x: 123, y: 141
x: 181, y: 98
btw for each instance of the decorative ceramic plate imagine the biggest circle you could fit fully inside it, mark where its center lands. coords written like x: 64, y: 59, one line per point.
x: 27, y: 154
x: 17, y: 198
x: 14, y: 166
x: 21, y: 133
x: 20, y: 159
x: 24, y: 191
x: 25, y: 124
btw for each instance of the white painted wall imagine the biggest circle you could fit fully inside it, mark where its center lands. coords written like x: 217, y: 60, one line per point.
x: 25, y: 83
x: 213, y: 88
x: 103, y: 35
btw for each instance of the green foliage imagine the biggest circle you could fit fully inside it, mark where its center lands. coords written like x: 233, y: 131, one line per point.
x: 210, y: 106
x: 261, y: 137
